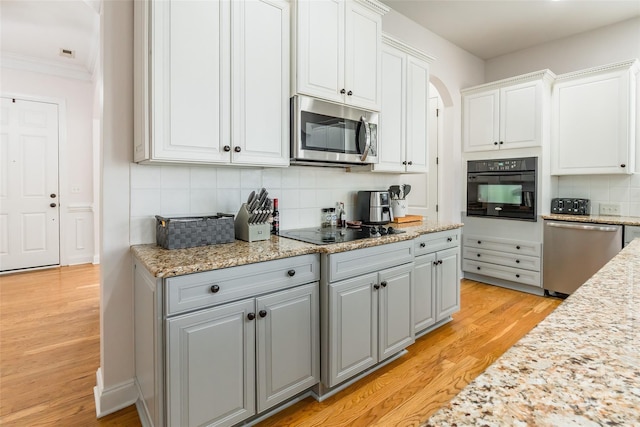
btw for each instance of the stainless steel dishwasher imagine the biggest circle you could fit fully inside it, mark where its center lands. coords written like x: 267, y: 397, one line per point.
x: 574, y: 251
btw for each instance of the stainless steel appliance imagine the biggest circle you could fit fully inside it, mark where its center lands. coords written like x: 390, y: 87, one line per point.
x: 374, y: 207
x: 329, y: 235
x: 570, y: 206
x: 324, y: 133
x: 504, y: 188
x: 574, y: 251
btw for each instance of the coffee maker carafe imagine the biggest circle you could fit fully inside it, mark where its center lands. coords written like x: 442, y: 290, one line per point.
x: 373, y: 207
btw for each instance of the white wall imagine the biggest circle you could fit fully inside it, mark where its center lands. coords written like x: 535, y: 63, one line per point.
x: 614, y: 43
x: 76, y: 153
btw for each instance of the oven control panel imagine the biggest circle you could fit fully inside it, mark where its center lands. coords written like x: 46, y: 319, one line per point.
x: 570, y: 206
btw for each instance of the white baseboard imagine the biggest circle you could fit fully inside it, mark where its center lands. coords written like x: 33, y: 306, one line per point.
x: 114, y: 398
x: 96, y: 259
x: 80, y: 259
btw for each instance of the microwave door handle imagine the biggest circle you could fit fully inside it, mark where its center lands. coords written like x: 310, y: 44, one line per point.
x: 367, y: 136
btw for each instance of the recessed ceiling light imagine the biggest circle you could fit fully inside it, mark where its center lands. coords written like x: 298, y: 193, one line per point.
x: 68, y: 53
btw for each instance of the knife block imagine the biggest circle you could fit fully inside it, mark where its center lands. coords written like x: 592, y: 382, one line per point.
x: 250, y: 232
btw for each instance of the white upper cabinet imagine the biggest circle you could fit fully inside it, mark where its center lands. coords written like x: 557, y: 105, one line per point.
x: 595, y: 115
x: 403, y: 134
x: 509, y: 113
x: 189, y: 73
x: 337, y: 47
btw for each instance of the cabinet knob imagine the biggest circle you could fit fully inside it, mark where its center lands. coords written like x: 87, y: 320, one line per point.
x: 440, y: 261
x: 215, y: 289
x: 263, y: 313
x: 449, y: 239
x: 478, y: 255
x: 227, y: 148
x: 291, y: 273
x: 404, y: 163
x: 251, y: 316
x: 349, y: 93
x: 422, y: 245
x: 478, y: 268
x: 495, y: 142
x: 52, y: 195
x: 623, y: 165
x: 342, y: 91
x: 517, y: 261
x: 410, y: 162
x: 479, y: 242
x: 53, y: 205
x: 518, y: 247
x: 517, y: 275
x: 237, y: 149
x: 376, y: 286
x: 383, y: 284
x: 436, y: 263
x: 501, y: 142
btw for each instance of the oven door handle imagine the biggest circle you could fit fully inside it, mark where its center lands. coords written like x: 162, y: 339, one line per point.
x: 367, y: 137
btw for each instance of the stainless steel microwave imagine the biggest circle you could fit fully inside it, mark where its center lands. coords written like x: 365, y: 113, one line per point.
x: 328, y: 134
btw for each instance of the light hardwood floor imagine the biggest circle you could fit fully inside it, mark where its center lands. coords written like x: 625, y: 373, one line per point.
x: 50, y: 350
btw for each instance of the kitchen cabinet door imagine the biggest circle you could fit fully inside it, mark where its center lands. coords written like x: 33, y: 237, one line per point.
x: 595, y: 117
x: 417, y: 112
x: 320, y: 48
x: 481, y: 121
x: 396, y: 322
x: 363, y: 31
x: 288, y: 344
x: 424, y: 301
x: 447, y: 283
x: 211, y: 366
x: 353, y: 327
x: 260, y: 117
x: 521, y: 115
x: 189, y: 114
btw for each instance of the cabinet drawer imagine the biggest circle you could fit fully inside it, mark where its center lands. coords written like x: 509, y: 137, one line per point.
x: 505, y: 245
x: 210, y: 288
x: 434, y: 242
x: 502, y: 258
x: 526, y: 277
x: 362, y: 261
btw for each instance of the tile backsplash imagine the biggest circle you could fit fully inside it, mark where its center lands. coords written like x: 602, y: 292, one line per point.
x: 201, y: 190
x: 622, y: 189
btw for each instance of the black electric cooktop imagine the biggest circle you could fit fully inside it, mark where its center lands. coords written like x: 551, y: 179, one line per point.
x: 329, y: 235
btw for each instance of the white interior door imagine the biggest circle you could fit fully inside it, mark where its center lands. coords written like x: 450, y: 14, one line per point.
x: 29, y: 207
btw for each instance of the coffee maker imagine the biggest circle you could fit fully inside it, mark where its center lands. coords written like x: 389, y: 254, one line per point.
x: 373, y: 207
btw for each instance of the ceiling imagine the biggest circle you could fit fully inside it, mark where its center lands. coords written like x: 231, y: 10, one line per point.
x: 36, y: 30
x: 492, y: 28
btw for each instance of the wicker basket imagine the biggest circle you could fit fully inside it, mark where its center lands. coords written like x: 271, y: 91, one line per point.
x: 188, y: 232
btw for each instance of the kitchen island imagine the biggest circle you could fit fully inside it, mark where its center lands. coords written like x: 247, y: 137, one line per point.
x: 579, y: 366
x: 163, y: 263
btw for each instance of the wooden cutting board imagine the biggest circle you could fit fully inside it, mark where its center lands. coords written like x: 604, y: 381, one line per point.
x: 407, y: 218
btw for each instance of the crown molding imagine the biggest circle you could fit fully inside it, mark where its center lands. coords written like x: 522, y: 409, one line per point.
x: 37, y: 65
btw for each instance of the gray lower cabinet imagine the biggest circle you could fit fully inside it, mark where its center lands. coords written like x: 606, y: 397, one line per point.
x: 218, y: 347
x: 369, y: 317
x: 437, y: 278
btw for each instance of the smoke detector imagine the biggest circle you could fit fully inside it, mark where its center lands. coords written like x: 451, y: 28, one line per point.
x: 67, y: 53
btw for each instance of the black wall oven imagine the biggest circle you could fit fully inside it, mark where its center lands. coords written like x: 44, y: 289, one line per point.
x: 504, y: 188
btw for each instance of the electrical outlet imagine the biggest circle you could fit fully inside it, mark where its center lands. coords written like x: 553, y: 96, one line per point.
x: 610, y: 209
x: 75, y: 189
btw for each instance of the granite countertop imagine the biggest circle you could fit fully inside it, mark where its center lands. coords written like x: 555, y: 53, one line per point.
x: 168, y: 263
x: 596, y: 219
x: 579, y: 367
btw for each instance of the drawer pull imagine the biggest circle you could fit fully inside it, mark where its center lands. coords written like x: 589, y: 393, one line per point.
x: 215, y: 289
x: 435, y: 262
x: 383, y: 284
x: 449, y: 239
x: 440, y: 261
x: 478, y: 255
x: 517, y: 261
x: 517, y: 247
x: 422, y: 245
x: 479, y: 242
x: 251, y: 316
x: 291, y: 273
x: 478, y: 268
x: 517, y: 275
x: 263, y: 313
x: 376, y: 286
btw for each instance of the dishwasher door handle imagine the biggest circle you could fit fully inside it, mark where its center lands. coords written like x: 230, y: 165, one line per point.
x: 583, y: 227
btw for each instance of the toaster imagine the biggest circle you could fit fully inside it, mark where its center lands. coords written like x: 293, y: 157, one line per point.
x: 570, y: 206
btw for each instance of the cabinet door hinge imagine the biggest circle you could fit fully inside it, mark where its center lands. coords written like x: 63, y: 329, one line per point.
x: 436, y: 208
x: 437, y: 112
x: 437, y: 160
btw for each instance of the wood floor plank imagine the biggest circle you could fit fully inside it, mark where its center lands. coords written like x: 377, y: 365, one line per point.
x: 50, y: 350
